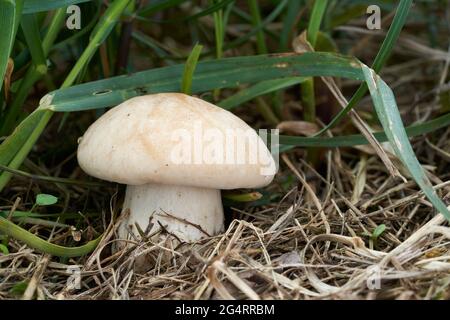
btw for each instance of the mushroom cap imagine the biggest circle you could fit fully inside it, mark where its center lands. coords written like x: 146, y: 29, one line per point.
x: 173, y: 138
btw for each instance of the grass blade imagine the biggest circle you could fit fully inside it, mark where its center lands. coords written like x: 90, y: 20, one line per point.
x: 316, y: 20
x: 233, y: 72
x: 98, y: 36
x: 272, y: 16
x: 386, y: 108
x: 307, y: 87
x: 156, y: 6
x: 12, y: 230
x: 209, y: 75
x: 30, y: 30
x: 189, y: 69
x: 23, y: 142
x: 33, y: 6
x: 20, y: 156
x: 259, y: 89
x: 256, y: 22
x: 288, y: 142
x: 293, y: 9
x: 55, y: 180
x: 36, y: 71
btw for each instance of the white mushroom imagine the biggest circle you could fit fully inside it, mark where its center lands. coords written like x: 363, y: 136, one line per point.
x: 174, y: 152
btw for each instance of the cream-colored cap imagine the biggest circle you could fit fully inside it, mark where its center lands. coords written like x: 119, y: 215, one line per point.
x: 173, y: 138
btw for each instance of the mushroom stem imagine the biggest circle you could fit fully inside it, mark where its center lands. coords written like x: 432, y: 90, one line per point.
x: 190, y: 213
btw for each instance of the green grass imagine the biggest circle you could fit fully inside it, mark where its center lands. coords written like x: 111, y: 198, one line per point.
x: 33, y: 6
x: 308, y: 94
x: 10, y: 229
x: 189, y: 69
x: 380, y: 60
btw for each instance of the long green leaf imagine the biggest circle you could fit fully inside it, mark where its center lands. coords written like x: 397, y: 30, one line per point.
x: 189, y: 69
x: 386, y: 108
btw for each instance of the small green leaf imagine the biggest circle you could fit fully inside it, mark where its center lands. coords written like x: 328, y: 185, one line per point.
x: 45, y: 199
x: 189, y: 68
x: 4, y: 249
x: 378, y: 231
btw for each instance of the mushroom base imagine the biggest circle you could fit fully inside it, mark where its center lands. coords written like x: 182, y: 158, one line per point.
x: 189, y: 213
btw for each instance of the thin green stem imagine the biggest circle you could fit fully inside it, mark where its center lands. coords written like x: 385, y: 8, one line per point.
x: 380, y: 60
x: 308, y: 94
x: 12, y: 230
x: 266, y: 112
x: 288, y: 142
x: 26, y: 147
x: 189, y: 69
x: 256, y: 21
x: 219, y: 32
x: 100, y: 33
x: 289, y: 21
x: 12, y: 144
x: 39, y: 67
x: 264, y: 109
